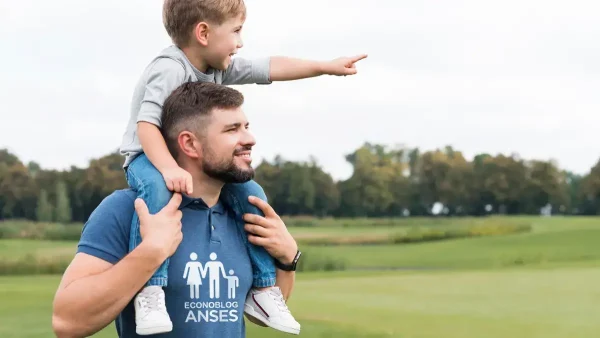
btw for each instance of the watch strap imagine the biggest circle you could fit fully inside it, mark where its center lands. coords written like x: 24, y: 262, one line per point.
x: 289, y: 267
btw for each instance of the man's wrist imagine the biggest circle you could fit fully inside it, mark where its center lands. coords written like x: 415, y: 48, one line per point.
x: 156, y: 253
x: 290, y: 255
x: 289, y: 266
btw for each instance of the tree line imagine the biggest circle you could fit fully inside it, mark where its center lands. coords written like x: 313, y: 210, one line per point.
x: 386, y: 182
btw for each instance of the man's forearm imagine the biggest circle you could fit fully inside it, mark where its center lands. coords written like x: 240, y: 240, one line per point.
x: 87, y: 305
x: 155, y: 147
x: 286, y: 69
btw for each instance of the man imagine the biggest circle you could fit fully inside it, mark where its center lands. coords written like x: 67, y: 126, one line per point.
x: 207, y: 132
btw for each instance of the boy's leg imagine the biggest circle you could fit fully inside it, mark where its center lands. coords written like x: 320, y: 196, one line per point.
x: 151, y: 312
x: 264, y: 304
x: 236, y: 196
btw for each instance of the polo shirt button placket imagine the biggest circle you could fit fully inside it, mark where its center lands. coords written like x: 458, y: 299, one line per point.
x: 213, y: 235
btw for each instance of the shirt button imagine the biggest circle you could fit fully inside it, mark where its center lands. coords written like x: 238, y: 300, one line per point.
x: 213, y: 227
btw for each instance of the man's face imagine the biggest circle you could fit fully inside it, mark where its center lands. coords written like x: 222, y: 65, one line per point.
x: 227, y: 147
x: 224, y: 41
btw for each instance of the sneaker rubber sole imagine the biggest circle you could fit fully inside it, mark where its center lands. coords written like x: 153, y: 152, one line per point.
x: 145, y: 331
x: 249, y: 311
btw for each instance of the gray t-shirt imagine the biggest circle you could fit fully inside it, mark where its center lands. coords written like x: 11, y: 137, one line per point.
x: 170, y: 69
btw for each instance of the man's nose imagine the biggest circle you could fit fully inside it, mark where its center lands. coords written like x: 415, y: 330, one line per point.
x: 248, y: 139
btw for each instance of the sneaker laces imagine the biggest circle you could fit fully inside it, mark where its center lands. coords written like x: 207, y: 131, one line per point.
x: 276, y: 295
x: 152, y: 300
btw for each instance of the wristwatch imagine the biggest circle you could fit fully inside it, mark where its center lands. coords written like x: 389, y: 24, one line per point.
x: 289, y: 267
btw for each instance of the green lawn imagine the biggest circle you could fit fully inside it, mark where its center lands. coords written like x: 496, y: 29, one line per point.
x: 552, y: 240
x: 539, y: 284
x: 493, y: 304
x: 566, y: 246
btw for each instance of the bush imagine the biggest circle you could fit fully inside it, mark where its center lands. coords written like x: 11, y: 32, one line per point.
x: 62, y: 233
x: 31, y: 265
x: 313, y: 262
x: 39, y: 230
x: 346, y: 240
x: 417, y: 235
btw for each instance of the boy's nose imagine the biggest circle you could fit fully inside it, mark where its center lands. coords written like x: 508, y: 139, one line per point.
x: 240, y: 43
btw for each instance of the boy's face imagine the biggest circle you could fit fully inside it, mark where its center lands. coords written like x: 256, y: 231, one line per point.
x: 224, y: 41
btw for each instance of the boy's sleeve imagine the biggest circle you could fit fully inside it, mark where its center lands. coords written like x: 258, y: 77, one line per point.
x: 106, y: 233
x: 245, y: 71
x: 164, y: 76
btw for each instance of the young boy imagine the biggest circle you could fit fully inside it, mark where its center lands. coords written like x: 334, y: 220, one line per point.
x: 206, y: 34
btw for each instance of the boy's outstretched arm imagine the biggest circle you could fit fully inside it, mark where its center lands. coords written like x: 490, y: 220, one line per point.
x: 286, y: 68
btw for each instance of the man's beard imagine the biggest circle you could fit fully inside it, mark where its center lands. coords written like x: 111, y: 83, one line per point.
x: 226, y: 170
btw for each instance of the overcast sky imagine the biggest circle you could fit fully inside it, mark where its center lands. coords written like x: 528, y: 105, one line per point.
x: 483, y: 76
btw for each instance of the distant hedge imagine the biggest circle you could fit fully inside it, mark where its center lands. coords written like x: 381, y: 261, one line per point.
x: 404, y: 235
x: 40, y: 230
x: 421, y: 234
x: 35, y: 265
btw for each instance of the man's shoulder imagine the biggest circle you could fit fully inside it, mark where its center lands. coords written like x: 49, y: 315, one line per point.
x: 123, y: 198
x: 106, y: 233
x: 119, y: 203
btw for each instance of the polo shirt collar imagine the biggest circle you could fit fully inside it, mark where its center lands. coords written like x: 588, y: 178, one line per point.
x: 199, y: 204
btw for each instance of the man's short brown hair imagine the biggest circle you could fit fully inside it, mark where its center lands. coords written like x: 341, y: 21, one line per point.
x: 181, y: 16
x: 189, y: 108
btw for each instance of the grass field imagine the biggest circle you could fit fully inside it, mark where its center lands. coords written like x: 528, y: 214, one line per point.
x: 545, y: 283
x: 511, y: 303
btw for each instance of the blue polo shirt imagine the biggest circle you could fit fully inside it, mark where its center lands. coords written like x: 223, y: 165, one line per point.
x: 210, y: 274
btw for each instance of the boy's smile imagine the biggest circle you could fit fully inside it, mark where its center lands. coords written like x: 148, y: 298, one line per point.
x: 224, y: 41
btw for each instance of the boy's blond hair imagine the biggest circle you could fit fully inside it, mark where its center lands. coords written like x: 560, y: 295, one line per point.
x: 181, y: 16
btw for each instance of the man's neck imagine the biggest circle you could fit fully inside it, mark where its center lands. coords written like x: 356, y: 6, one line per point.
x: 205, y: 187
x: 194, y: 55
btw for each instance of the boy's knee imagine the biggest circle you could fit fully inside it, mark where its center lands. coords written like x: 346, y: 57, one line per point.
x: 155, y: 193
x: 163, y: 196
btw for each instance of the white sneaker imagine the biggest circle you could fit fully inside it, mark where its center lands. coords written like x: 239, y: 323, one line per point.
x: 151, y: 315
x: 268, y: 307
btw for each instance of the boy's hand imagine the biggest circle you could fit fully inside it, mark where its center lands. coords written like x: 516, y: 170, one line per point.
x: 178, y: 180
x: 342, y: 66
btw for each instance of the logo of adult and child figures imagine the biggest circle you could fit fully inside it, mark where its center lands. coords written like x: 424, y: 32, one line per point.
x: 195, y: 272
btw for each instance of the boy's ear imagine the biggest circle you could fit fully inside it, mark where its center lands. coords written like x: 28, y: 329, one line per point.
x: 201, y: 33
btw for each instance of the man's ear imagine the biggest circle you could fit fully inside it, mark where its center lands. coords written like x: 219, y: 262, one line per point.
x: 189, y: 145
x: 201, y: 33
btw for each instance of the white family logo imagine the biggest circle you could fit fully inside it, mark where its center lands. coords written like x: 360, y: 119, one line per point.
x: 211, y: 311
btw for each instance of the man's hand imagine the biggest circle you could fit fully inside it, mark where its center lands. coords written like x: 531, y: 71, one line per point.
x: 178, y: 180
x: 161, y: 231
x: 270, y: 232
x: 342, y: 66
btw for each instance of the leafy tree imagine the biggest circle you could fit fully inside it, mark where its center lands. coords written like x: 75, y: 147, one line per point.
x: 44, y: 208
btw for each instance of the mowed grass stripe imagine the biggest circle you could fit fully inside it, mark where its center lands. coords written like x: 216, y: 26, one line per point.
x: 485, y: 252
x: 539, y: 247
